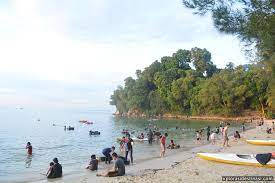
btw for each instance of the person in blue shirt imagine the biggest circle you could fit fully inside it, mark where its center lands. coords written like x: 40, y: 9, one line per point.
x: 106, y: 152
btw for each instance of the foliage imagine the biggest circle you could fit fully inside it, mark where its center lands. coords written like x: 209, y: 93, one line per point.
x: 173, y: 86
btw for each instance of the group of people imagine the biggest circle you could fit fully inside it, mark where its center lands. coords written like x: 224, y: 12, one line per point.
x: 222, y: 130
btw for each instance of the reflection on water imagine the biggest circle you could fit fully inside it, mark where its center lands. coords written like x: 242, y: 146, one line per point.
x: 28, y: 161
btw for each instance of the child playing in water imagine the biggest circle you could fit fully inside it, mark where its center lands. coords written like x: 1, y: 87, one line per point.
x: 213, y: 137
x: 93, y: 163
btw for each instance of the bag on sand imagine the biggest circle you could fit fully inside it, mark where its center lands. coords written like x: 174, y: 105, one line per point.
x: 263, y: 158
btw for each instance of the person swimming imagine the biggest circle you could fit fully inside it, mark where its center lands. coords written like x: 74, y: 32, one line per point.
x: 141, y: 136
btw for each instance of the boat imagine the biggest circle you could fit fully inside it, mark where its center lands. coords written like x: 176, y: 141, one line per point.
x: 262, y: 142
x: 85, y: 122
x: 236, y: 159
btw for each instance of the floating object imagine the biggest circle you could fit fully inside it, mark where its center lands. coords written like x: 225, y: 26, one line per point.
x: 236, y: 159
x: 102, y: 158
x: 94, y: 132
x: 70, y: 128
x: 262, y: 142
x: 85, y: 122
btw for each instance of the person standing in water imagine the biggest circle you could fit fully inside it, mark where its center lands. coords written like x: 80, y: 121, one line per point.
x: 243, y: 127
x: 106, y: 152
x: 208, y: 132
x: 163, y: 145
x: 225, y: 135
x: 150, y: 136
x: 29, y: 148
x: 129, y: 148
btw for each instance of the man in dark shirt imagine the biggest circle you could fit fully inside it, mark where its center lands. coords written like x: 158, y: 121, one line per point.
x: 129, y: 148
x: 150, y: 136
x: 56, y: 170
x: 118, y: 170
x: 106, y: 152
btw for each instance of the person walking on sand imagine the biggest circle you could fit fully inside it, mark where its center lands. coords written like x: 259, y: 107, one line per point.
x: 273, y: 126
x: 225, y: 135
x: 162, y: 145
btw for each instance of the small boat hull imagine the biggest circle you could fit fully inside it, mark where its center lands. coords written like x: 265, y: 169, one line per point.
x: 262, y: 142
x: 235, y: 159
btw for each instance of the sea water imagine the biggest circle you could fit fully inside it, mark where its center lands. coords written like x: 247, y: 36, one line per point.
x: 73, y: 148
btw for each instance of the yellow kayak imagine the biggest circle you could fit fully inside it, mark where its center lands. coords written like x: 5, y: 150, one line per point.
x: 236, y: 159
x: 262, y: 142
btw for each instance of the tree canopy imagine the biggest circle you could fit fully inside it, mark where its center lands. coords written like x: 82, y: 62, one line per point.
x: 253, y: 21
x: 189, y: 83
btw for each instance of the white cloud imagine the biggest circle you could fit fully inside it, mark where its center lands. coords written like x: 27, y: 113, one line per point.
x: 95, y: 45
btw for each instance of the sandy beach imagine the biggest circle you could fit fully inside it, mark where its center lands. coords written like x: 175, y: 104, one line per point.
x: 185, y: 166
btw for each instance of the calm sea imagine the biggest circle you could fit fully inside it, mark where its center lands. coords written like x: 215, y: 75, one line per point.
x: 73, y: 148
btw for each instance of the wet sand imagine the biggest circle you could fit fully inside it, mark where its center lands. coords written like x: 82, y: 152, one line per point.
x: 185, y: 166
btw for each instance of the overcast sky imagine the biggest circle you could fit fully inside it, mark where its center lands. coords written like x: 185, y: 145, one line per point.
x: 73, y: 53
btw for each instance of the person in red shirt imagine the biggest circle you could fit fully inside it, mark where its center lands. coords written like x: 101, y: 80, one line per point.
x: 162, y: 144
x: 29, y: 148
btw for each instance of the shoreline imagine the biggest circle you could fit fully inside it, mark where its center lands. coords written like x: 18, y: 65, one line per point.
x: 248, y: 117
x: 186, y: 166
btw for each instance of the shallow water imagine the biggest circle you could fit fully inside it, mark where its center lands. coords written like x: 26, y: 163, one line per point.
x: 73, y: 148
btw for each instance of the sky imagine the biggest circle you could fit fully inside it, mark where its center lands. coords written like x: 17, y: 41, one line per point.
x: 74, y: 53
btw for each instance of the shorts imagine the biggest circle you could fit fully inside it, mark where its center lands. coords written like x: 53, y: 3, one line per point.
x: 225, y: 138
x: 112, y: 174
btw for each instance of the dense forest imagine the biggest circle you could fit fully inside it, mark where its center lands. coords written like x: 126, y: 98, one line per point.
x: 189, y: 83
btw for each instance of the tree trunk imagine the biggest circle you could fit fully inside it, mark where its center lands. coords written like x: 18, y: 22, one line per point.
x: 262, y: 108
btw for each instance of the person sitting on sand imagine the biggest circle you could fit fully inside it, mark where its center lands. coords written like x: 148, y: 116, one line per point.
x: 29, y: 148
x: 268, y: 130
x: 50, y: 168
x: 237, y: 135
x: 213, y: 137
x: 56, y: 170
x: 93, y: 165
x: 106, y: 152
x: 162, y: 144
x: 172, y: 145
x: 118, y: 169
